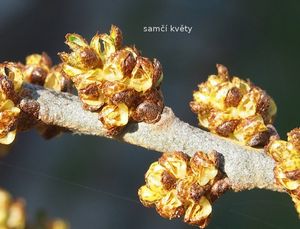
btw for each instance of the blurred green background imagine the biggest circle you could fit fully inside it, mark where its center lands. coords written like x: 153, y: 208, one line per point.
x: 93, y: 182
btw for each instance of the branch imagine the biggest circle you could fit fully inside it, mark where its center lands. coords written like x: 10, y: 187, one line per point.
x: 246, y: 167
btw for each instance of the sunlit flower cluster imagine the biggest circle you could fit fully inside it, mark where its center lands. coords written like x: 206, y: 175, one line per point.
x: 114, y: 80
x: 38, y: 70
x: 287, y: 169
x: 234, y: 108
x: 181, y: 186
x: 11, y: 80
x: 12, y: 212
x: 13, y: 215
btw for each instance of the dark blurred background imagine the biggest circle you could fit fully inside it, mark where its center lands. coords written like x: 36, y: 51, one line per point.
x: 93, y: 182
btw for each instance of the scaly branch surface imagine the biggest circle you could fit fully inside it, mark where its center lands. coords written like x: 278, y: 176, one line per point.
x: 246, y: 167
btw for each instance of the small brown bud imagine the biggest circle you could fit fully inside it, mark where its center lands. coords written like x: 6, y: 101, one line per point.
x: 219, y: 188
x: 7, y: 87
x: 45, y: 59
x: 91, y: 90
x: 38, y: 76
x: 30, y: 107
x: 128, y: 64
x: 195, y: 107
x: 233, y: 97
x: 168, y: 180
x: 293, y: 175
x: 157, y: 73
x: 217, y: 159
x: 130, y: 97
x: 294, y: 138
x: 263, y: 105
x: 114, y: 131
x: 296, y: 192
x: 197, y: 191
x: 259, y: 139
x: 226, y: 128
x: 222, y: 70
x: 90, y: 58
x: 147, y: 112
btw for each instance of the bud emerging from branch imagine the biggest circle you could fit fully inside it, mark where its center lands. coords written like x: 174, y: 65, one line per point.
x: 234, y: 108
x: 181, y: 186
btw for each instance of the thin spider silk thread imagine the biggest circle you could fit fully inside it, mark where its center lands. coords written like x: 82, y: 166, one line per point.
x: 71, y: 183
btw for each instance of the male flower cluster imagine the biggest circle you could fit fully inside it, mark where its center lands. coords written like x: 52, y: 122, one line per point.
x: 178, y: 185
x: 287, y: 169
x: 13, y: 215
x: 11, y: 80
x: 12, y: 212
x: 113, y: 80
x: 234, y: 108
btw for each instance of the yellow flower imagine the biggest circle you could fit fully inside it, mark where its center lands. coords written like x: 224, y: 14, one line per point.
x: 160, y: 180
x: 203, y: 167
x: 114, y: 115
x: 12, y: 212
x: 177, y: 185
x: 38, y: 70
x: 287, y: 169
x: 106, y: 74
x: 58, y: 224
x: 8, y: 118
x: 229, y: 106
x: 11, y: 79
x: 13, y: 71
x: 198, y: 213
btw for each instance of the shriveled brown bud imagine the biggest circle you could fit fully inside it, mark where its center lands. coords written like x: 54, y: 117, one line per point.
x: 265, y: 107
x: 147, y: 112
x: 7, y: 88
x: 293, y: 175
x: 259, y: 139
x: 90, y: 91
x: 89, y: 58
x: 222, y: 70
x: 219, y: 188
x: 197, y: 191
x: 195, y: 107
x: 157, y: 73
x: 294, y: 138
x: 227, y: 128
x: 128, y: 64
x: 129, y: 96
x: 38, y: 76
x: 168, y: 180
x: 29, y: 114
x: 233, y: 97
x: 30, y: 107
